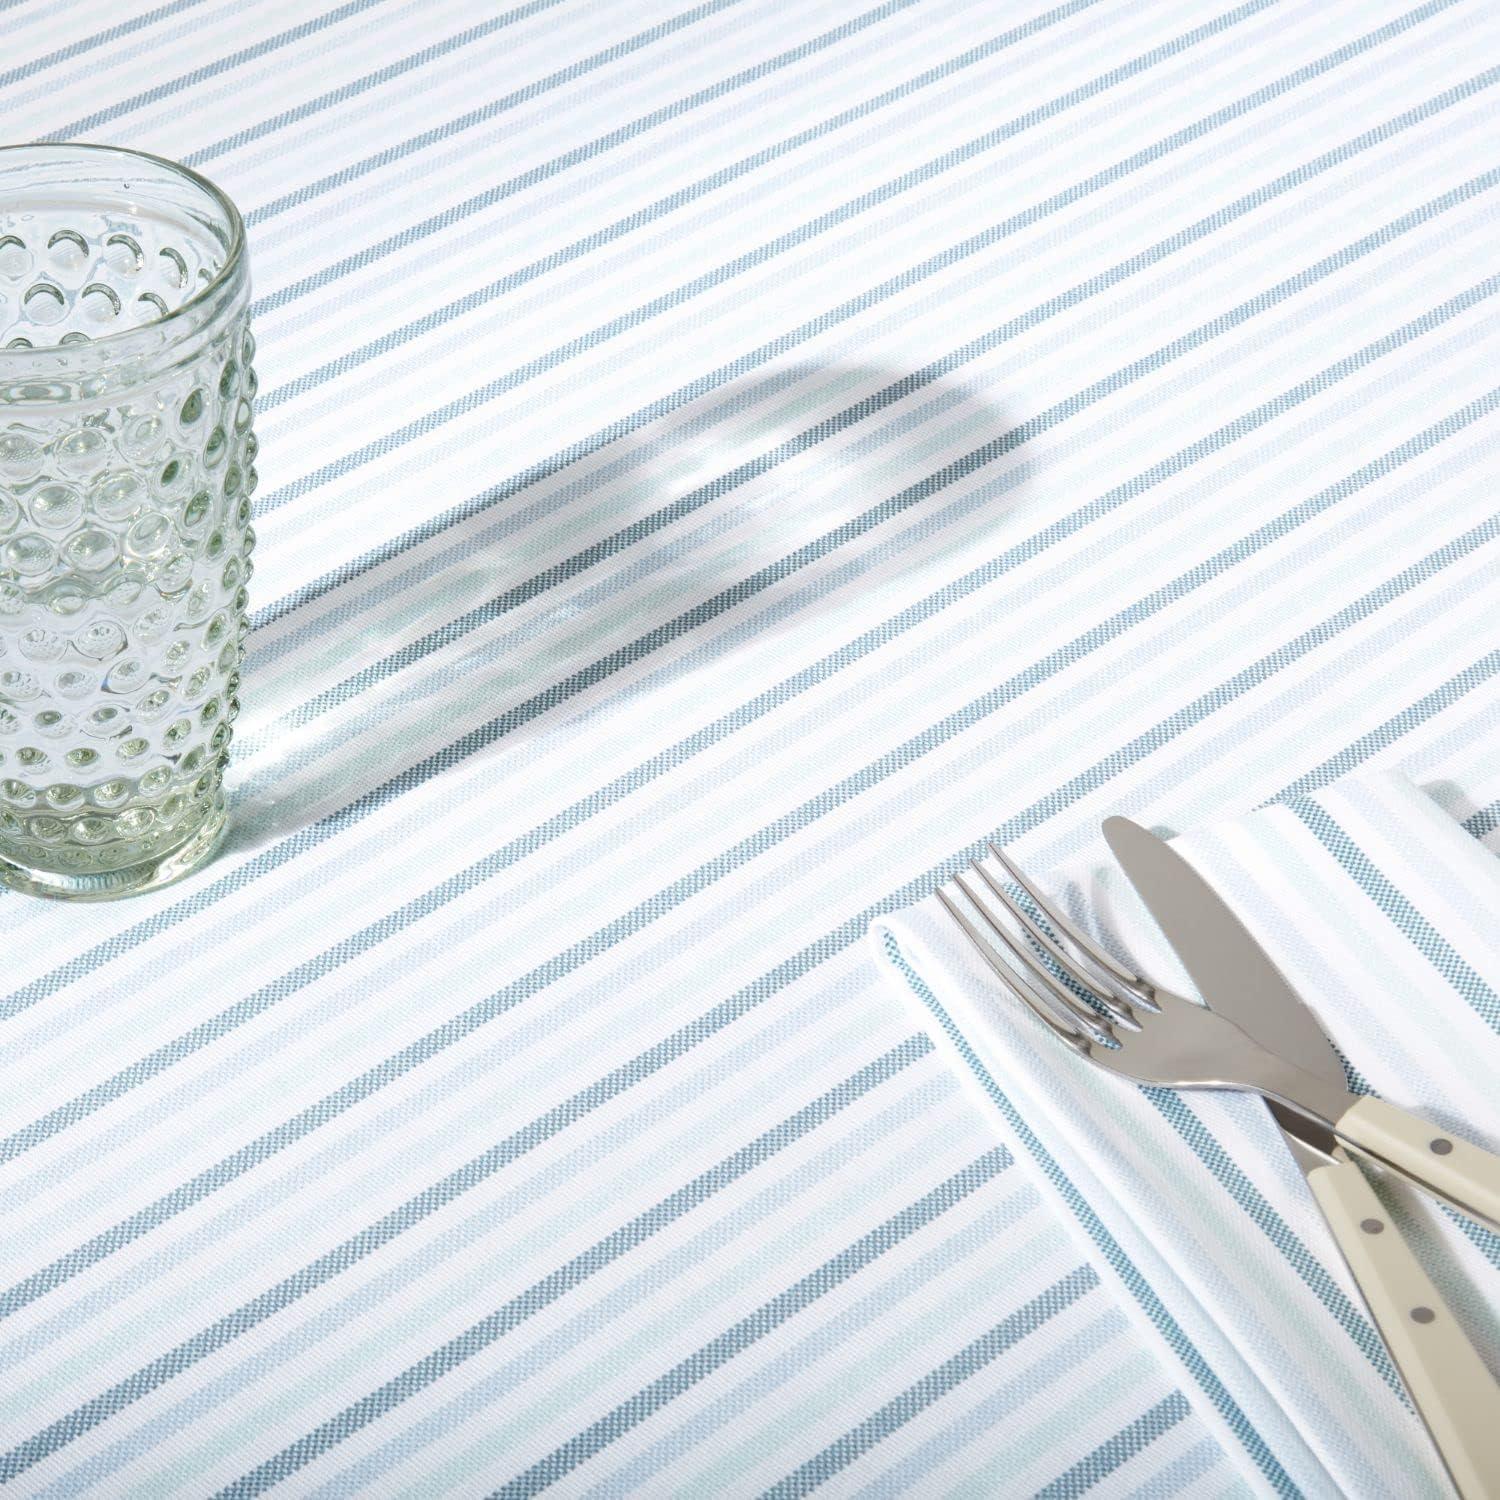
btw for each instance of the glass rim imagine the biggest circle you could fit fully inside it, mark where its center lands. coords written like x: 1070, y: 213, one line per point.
x: 124, y: 337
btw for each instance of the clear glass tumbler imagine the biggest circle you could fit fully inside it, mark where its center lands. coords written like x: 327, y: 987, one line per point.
x: 127, y: 463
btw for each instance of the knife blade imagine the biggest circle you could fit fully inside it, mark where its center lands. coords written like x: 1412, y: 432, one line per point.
x: 1231, y: 970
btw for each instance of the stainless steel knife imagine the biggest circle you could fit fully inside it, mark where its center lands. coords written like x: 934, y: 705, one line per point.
x: 1455, y: 1393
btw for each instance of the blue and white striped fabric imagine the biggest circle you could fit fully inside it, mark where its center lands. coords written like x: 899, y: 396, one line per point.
x: 1379, y: 906
x: 720, y: 461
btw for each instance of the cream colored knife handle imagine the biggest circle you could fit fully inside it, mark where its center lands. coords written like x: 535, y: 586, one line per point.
x: 1465, y: 1175
x: 1455, y: 1393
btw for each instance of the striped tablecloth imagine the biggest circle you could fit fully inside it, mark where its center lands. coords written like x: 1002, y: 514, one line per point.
x: 720, y: 462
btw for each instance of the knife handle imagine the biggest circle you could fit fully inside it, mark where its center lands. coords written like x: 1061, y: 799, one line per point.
x: 1458, y: 1171
x: 1454, y: 1392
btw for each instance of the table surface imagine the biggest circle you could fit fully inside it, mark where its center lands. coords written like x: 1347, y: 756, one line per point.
x: 719, y: 463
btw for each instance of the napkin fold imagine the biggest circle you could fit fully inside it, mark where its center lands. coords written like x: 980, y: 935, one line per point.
x: 1384, y: 912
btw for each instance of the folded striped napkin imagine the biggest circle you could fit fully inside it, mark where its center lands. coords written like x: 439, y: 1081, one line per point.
x: 1381, y: 908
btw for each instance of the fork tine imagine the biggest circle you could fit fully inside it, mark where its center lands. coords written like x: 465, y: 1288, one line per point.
x: 1034, y: 972
x: 1036, y: 978
x: 1116, y: 1005
x: 1136, y: 988
x: 1072, y: 1035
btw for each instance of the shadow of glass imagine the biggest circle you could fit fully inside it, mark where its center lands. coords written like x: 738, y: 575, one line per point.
x: 758, y: 501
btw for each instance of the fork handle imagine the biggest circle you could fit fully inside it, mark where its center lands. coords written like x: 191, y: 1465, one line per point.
x: 1453, y: 1391
x: 1458, y: 1171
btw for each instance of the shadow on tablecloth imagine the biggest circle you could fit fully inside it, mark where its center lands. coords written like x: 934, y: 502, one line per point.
x: 582, y: 585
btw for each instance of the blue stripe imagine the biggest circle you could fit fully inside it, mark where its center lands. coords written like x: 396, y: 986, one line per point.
x: 1122, y: 1447
x: 1408, y: 921
x: 744, y: 364
x: 228, y: 63
x: 558, y: 574
x: 482, y: 395
x: 1484, y: 821
x: 545, y: 1292
x: 570, y: 74
x: 734, y: 1340
x: 1396, y: 727
x: 1063, y: 1356
x: 673, y: 201
x: 384, y: 75
x: 118, y: 32
x: 1268, y: 665
x: 1186, y: 1469
x: 590, y: 150
x: 1110, y: 1249
x: 896, y: 1413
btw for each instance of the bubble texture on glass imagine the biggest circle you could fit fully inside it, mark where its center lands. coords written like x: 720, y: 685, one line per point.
x: 125, y: 544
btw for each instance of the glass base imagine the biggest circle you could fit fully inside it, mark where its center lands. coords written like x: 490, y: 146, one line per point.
x: 109, y: 885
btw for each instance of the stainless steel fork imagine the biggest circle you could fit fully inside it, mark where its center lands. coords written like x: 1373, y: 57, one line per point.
x: 1123, y: 1022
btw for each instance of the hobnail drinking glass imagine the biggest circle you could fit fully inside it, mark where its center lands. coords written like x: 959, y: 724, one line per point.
x: 127, y: 462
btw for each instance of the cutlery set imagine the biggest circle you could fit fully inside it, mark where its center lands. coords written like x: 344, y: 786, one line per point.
x: 1255, y: 1033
